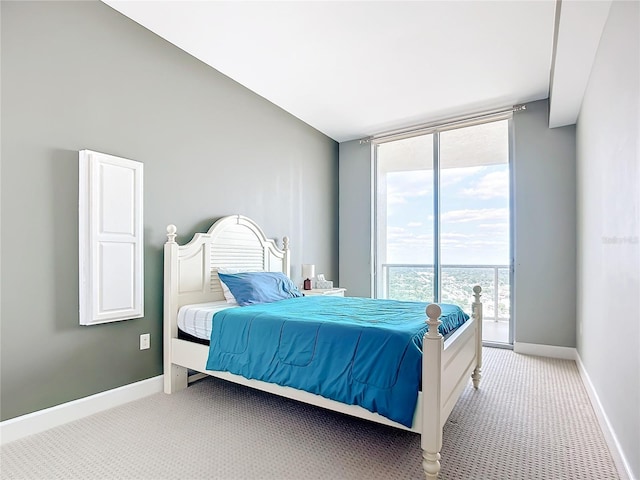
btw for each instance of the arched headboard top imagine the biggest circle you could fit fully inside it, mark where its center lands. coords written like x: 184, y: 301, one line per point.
x: 235, y: 241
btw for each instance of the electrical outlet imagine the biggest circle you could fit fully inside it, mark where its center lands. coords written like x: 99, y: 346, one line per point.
x: 145, y: 341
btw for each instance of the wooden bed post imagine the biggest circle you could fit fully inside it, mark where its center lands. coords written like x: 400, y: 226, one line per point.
x: 175, y: 377
x: 286, y: 260
x: 476, y: 311
x: 431, y: 440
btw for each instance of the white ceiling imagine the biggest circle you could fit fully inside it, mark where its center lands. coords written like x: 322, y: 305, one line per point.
x: 353, y: 69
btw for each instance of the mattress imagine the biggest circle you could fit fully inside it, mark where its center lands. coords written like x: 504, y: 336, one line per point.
x: 195, y: 320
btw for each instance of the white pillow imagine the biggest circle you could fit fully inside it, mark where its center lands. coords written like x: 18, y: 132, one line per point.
x: 225, y: 290
x: 227, y: 293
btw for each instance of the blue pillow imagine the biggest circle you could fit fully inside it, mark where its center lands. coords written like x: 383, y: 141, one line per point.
x: 251, y: 288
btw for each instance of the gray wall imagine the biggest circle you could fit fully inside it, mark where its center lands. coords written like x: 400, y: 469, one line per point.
x: 544, y: 190
x: 79, y: 75
x: 545, y: 232
x: 608, y: 152
x: 355, y: 219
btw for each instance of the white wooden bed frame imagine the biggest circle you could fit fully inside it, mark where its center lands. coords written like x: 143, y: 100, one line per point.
x: 190, y: 276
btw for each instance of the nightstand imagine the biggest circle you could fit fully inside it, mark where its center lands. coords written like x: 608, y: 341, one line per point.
x: 334, y: 292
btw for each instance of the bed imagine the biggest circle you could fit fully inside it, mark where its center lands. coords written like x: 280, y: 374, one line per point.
x: 236, y: 242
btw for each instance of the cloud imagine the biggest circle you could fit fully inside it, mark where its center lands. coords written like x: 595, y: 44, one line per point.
x: 403, y: 186
x: 414, y: 224
x: 451, y: 176
x: 492, y: 185
x: 494, y: 226
x: 488, y: 243
x: 478, y: 215
x: 449, y: 240
x: 399, y: 237
x: 466, y: 241
x: 492, y: 230
x: 454, y: 237
x: 398, y: 196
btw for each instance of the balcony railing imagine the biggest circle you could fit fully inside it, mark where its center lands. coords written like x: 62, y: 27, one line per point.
x: 415, y: 282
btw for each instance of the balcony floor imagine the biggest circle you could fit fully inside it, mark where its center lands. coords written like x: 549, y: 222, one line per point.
x: 493, y: 331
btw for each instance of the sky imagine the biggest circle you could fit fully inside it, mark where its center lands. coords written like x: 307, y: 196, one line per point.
x: 474, y: 196
x: 474, y: 218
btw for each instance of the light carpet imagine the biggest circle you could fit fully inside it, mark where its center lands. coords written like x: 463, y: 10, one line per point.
x: 531, y: 419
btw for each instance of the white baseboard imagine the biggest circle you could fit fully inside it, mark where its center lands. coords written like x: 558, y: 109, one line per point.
x: 19, y: 427
x: 552, y: 351
x: 610, y: 437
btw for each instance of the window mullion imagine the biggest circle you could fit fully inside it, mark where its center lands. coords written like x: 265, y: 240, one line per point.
x: 436, y: 218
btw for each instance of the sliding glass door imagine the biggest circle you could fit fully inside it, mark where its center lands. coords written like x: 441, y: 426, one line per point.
x: 442, y: 220
x: 404, y: 219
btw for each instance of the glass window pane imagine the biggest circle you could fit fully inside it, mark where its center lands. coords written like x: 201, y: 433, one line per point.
x: 404, y: 219
x: 474, y: 221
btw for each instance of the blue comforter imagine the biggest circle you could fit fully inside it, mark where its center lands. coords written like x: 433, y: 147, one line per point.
x: 354, y: 350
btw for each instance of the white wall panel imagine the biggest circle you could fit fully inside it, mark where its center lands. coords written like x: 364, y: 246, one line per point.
x: 116, y: 197
x: 111, y: 238
x: 116, y: 272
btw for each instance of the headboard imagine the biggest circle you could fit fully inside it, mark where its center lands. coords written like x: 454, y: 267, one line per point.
x: 190, y: 274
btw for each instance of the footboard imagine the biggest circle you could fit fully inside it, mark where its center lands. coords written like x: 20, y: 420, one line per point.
x: 446, y: 368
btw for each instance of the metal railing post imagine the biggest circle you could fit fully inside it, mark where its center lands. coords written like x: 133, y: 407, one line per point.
x: 495, y: 294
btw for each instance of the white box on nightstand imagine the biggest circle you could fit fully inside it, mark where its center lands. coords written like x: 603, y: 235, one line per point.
x: 335, y: 292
